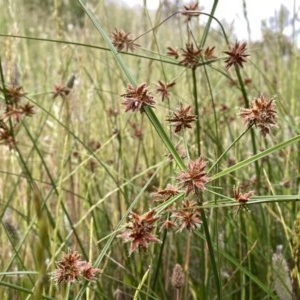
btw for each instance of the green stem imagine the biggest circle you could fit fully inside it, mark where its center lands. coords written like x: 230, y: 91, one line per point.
x: 195, y: 94
x: 253, y: 140
x: 202, y: 212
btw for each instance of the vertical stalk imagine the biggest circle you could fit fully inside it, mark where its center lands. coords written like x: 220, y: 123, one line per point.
x: 253, y: 140
x: 202, y: 212
x: 186, y: 265
x: 198, y: 127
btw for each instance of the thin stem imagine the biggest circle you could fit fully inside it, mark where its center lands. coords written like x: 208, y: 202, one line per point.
x: 226, y: 151
x: 186, y: 265
x: 253, y: 140
x: 198, y: 128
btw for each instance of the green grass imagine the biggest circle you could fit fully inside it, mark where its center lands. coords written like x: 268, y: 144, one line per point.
x: 79, y: 166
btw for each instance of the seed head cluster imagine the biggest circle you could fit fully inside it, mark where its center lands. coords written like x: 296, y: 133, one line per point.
x: 192, y: 56
x: 182, y: 118
x: 163, y: 89
x: 191, y: 10
x: 236, y: 55
x: 138, y: 231
x: 188, y: 216
x: 71, y: 269
x: 194, y: 178
x: 122, y: 41
x: 261, y: 114
x: 136, y: 99
x: 14, y: 111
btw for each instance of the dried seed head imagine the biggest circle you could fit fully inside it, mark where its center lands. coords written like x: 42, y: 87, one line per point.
x: 237, y: 55
x: 13, y: 94
x: 122, y: 40
x: 191, y: 10
x: 163, y: 89
x: 209, y: 53
x: 188, y: 216
x: 60, y: 90
x: 138, y: 231
x: 165, y: 194
x: 68, y: 269
x: 241, y: 198
x: 172, y: 52
x: 177, y: 277
x: 281, y: 275
x: 137, y: 98
x: 71, y: 269
x: 182, y: 118
x: 194, y: 178
x: 261, y: 114
x: 192, y: 56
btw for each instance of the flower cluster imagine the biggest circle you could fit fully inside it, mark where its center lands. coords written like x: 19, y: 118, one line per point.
x: 242, y: 199
x: 165, y: 194
x: 14, y: 111
x: 191, y: 10
x: 122, y: 41
x: 236, y: 55
x: 137, y: 98
x: 138, y: 231
x: 261, y: 114
x: 163, y: 89
x: 194, y: 178
x: 192, y: 56
x: 71, y: 269
x: 182, y: 118
x: 188, y: 216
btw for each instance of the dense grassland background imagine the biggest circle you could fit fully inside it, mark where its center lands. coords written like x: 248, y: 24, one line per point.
x: 80, y: 164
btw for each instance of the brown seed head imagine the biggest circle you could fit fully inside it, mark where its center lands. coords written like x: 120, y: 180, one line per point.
x: 241, y: 198
x: 138, y: 231
x: 191, y: 10
x: 188, y: 216
x: 194, y: 178
x: 136, y: 98
x: 165, y: 194
x: 60, y: 90
x: 7, y: 138
x: 13, y: 94
x: 68, y: 269
x: 71, y: 269
x: 88, y: 272
x: 122, y: 40
x: 191, y: 56
x: 172, y: 52
x: 163, y: 89
x: 27, y: 109
x: 261, y: 114
x: 177, y: 277
x: 209, y: 53
x: 236, y: 55
x: 182, y: 118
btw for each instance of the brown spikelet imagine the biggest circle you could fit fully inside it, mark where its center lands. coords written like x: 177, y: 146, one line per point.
x: 137, y: 98
x: 138, y: 231
x: 122, y: 41
x: 191, y: 10
x: 191, y: 56
x: 281, y: 276
x: 194, y: 178
x: 236, y: 55
x: 261, y: 114
x: 182, y: 118
x: 177, y: 277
